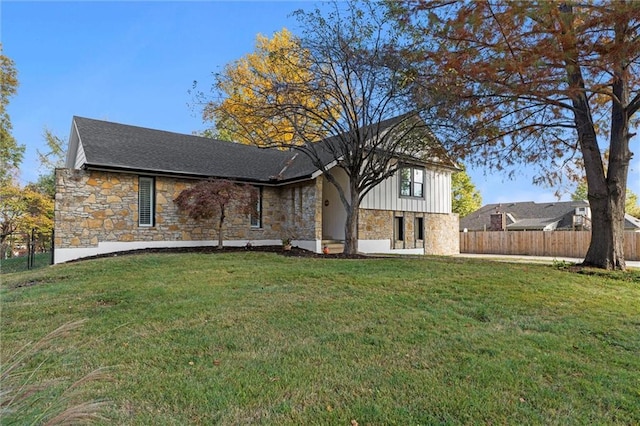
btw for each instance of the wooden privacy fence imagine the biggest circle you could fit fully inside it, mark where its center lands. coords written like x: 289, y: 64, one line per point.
x: 540, y: 243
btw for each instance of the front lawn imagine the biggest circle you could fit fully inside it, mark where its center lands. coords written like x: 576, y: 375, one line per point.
x: 246, y: 338
x: 20, y: 264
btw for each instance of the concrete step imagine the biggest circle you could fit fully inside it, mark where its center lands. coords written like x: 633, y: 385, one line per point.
x: 335, y: 247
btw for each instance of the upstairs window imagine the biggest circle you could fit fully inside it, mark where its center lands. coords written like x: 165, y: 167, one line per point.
x: 146, y: 196
x: 412, y: 182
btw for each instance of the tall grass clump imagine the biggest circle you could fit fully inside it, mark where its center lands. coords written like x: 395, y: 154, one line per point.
x: 25, y: 398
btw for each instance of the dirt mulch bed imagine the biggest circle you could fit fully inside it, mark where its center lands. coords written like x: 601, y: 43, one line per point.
x: 294, y: 252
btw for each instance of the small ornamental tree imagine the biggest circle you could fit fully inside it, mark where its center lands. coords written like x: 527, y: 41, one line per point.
x: 214, y: 198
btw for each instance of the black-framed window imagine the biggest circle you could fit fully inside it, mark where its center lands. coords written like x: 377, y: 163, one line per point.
x: 399, y: 228
x: 146, y: 201
x: 419, y: 228
x: 412, y: 182
x: 256, y: 215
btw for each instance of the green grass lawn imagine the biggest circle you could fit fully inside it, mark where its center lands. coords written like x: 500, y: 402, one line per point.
x: 19, y: 264
x: 260, y: 338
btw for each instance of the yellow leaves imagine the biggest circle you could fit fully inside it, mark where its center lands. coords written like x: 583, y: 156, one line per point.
x: 22, y: 209
x: 258, y: 87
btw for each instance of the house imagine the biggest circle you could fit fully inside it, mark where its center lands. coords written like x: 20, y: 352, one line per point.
x: 531, y: 216
x: 117, y: 189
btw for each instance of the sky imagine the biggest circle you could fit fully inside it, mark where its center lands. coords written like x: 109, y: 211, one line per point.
x: 135, y: 62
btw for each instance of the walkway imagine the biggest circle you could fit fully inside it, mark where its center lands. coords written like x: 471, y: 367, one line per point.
x: 535, y: 259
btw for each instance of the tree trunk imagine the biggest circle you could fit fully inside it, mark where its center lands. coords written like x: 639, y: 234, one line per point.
x: 607, y: 235
x: 607, y: 199
x: 351, y: 226
x: 606, y: 189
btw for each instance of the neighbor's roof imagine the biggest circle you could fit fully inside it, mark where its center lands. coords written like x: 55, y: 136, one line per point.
x: 538, y: 224
x: 529, y: 215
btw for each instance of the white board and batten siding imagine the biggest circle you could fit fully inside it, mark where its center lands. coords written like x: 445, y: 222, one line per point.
x: 81, y: 158
x: 437, y: 194
x: 75, y: 152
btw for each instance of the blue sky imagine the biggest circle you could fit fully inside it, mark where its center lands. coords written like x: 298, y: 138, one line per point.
x: 134, y: 63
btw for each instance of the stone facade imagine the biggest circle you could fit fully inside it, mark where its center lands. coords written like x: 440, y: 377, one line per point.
x: 96, y: 209
x: 95, y: 206
x: 375, y: 224
x: 440, y: 234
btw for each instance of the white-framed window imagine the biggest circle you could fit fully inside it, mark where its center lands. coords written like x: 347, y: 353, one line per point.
x: 256, y: 216
x: 146, y: 201
x: 412, y: 182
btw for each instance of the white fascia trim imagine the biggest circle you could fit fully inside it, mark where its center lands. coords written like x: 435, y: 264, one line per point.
x: 63, y: 255
x: 329, y: 166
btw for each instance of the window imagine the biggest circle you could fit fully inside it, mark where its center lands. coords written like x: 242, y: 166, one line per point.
x: 146, y: 195
x: 419, y: 228
x: 256, y: 215
x: 412, y: 182
x: 399, y: 228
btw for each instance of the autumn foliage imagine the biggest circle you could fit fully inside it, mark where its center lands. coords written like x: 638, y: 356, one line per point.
x: 216, y: 198
x: 251, y: 86
x: 546, y: 83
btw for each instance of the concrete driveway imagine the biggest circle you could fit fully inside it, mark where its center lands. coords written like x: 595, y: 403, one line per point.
x: 535, y: 259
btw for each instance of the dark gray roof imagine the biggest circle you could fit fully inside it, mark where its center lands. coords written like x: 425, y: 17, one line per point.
x: 125, y: 147
x: 130, y: 148
x: 529, y: 215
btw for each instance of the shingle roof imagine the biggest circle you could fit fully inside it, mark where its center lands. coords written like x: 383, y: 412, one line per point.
x: 138, y: 149
x: 526, y: 213
x: 533, y: 224
x: 125, y: 147
x: 529, y: 215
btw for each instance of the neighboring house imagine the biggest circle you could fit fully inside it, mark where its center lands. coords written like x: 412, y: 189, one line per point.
x: 530, y: 216
x: 117, y: 190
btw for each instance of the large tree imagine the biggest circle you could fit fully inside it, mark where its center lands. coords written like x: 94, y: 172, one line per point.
x: 465, y: 196
x: 245, y: 89
x: 50, y: 160
x: 541, y: 82
x: 21, y: 211
x: 10, y: 151
x: 352, y: 88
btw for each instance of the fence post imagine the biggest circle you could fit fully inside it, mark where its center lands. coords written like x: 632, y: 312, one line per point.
x: 30, y: 249
x: 53, y: 246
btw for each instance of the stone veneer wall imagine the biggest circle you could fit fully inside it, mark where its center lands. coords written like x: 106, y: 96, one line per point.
x: 96, y: 206
x: 375, y: 224
x: 441, y: 230
x: 441, y: 234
